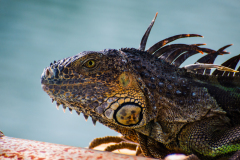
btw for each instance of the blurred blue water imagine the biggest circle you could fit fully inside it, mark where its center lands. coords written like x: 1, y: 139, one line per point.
x: 34, y: 33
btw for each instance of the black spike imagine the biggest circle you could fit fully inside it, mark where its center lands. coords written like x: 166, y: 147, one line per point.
x: 85, y: 116
x: 94, y: 121
x: 231, y: 63
x: 224, y: 47
x: 78, y: 112
x: 70, y: 109
x: 178, y: 52
x: 162, y: 43
x: 145, y: 36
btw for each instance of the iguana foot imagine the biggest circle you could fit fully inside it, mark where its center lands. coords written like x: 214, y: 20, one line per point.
x: 120, y: 143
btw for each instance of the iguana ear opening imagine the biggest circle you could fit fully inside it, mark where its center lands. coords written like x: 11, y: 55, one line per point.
x: 129, y: 114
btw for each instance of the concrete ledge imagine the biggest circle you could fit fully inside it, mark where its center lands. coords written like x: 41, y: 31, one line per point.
x: 15, y: 148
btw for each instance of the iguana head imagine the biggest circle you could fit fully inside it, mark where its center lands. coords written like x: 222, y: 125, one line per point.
x: 102, y: 85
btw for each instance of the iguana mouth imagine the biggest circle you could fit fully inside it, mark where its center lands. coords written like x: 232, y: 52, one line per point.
x: 71, y: 105
x: 78, y: 108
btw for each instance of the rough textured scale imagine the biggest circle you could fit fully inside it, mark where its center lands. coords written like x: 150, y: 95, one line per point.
x: 153, y: 103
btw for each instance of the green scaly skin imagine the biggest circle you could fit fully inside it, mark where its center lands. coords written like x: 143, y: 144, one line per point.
x: 163, y: 108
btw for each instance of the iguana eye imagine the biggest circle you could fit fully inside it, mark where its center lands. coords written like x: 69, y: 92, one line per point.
x: 90, y: 63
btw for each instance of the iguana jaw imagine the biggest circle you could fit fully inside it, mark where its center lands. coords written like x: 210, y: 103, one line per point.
x: 113, y: 107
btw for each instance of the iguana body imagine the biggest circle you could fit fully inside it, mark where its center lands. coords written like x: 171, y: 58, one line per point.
x: 163, y: 108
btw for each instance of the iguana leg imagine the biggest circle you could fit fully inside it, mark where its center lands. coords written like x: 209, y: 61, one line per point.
x: 138, y: 151
x: 151, y: 148
x: 147, y: 146
x: 103, y: 140
x: 143, y: 145
x: 211, y: 137
x: 121, y: 143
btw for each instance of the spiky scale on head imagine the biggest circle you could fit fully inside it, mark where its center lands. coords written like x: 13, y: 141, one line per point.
x: 98, y: 84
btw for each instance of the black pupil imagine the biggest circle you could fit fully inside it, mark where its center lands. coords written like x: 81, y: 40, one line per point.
x: 90, y: 63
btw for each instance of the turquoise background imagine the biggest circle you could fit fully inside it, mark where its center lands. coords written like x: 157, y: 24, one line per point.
x: 35, y: 33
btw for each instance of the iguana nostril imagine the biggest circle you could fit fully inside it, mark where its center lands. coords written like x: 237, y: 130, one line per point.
x: 47, y: 72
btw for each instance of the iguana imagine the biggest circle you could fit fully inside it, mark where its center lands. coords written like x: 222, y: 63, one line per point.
x: 145, y: 96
